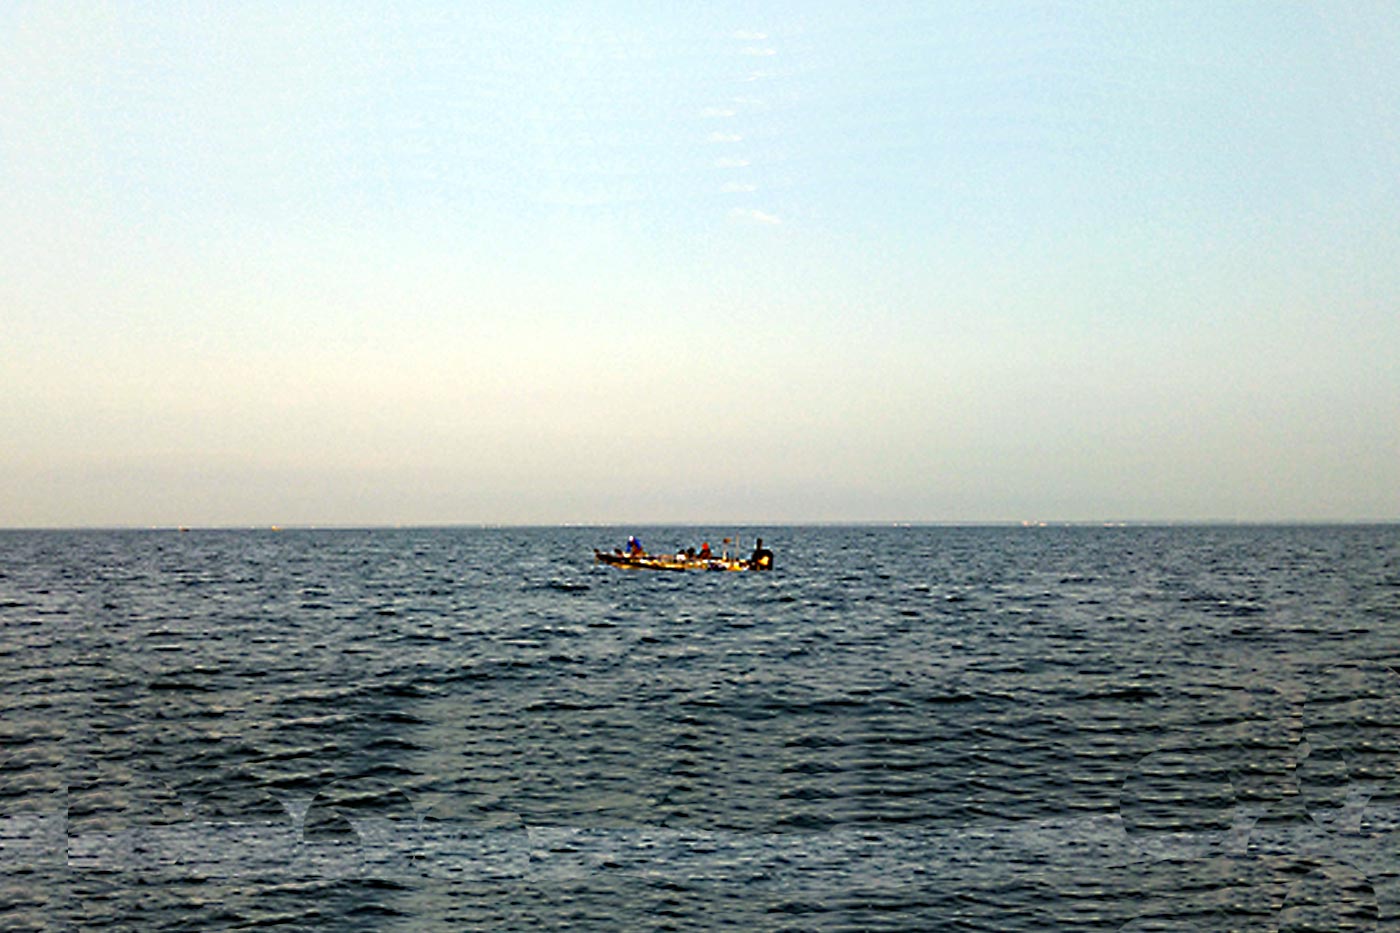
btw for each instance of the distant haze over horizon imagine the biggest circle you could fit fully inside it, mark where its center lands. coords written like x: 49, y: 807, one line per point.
x: 328, y: 264
x: 711, y: 530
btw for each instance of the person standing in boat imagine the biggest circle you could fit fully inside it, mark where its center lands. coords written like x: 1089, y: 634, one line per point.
x: 634, y: 547
x: 762, y: 558
x: 705, y: 553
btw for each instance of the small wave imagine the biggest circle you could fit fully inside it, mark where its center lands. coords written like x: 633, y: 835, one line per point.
x: 1120, y: 693
x: 558, y: 586
x: 407, y: 690
x: 562, y: 706
x: 394, y: 743
x: 816, y: 741
x: 179, y: 683
x: 375, y: 910
x: 950, y: 699
x: 807, y: 821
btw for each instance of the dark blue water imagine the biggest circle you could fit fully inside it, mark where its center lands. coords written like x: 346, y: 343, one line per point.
x: 983, y: 728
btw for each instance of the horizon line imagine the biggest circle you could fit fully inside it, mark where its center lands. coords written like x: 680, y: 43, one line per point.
x: 652, y: 523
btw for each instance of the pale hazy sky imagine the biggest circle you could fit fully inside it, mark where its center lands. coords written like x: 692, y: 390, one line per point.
x: 351, y: 263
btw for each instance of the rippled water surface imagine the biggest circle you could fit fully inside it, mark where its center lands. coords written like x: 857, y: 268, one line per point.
x: 987, y: 728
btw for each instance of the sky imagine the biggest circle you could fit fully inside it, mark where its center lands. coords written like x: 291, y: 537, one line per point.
x: 339, y: 263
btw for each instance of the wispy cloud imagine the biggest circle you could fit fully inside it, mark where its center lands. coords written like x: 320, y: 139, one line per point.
x: 757, y: 216
x: 718, y: 112
x: 761, y: 50
x: 731, y: 162
x: 738, y: 187
x: 747, y: 35
x: 718, y: 137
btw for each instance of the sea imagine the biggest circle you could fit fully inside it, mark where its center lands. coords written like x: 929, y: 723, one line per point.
x: 1001, y: 728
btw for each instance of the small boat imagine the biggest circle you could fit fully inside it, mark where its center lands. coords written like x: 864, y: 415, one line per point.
x: 680, y: 561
